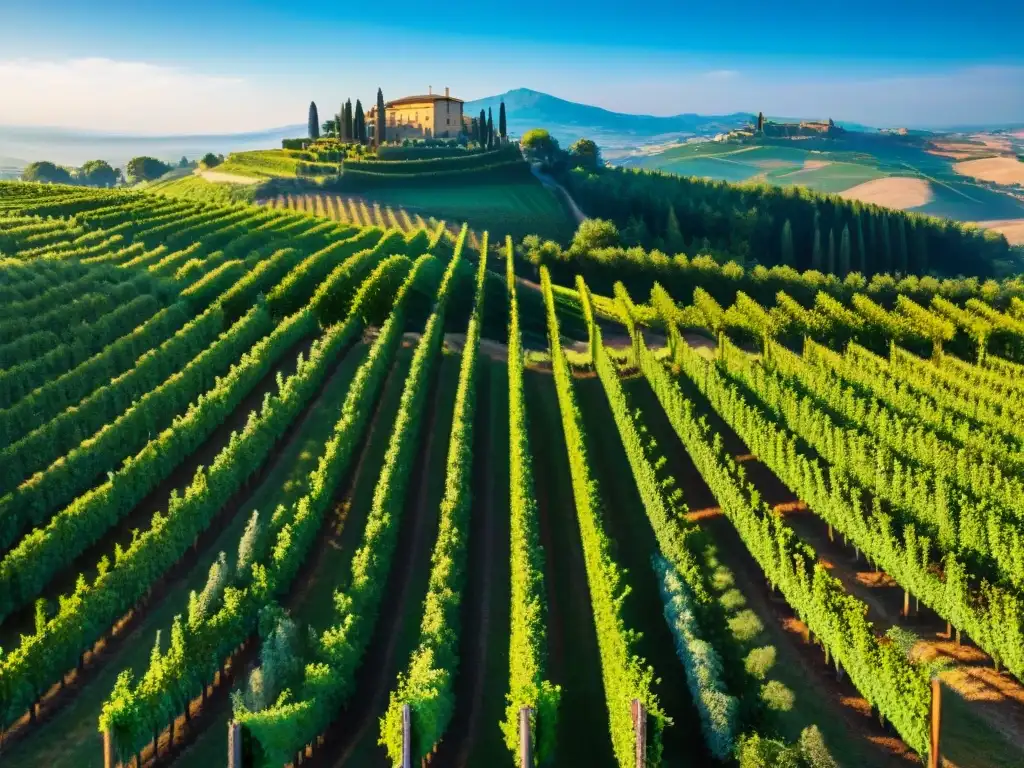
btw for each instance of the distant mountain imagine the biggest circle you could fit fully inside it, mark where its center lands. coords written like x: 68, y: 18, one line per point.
x: 569, y: 120
x: 69, y: 146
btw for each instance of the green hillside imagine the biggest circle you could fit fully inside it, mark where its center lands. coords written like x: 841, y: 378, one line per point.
x: 836, y: 165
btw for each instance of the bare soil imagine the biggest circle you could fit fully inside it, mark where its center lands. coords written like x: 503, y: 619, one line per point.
x: 900, y: 192
x: 999, y: 170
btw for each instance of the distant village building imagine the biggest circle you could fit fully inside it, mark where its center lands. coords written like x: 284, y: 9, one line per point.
x: 430, y: 116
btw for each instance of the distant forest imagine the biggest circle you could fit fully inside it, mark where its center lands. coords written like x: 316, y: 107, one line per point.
x: 790, y: 226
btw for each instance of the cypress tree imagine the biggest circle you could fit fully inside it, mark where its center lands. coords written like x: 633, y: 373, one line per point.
x: 873, y: 239
x: 862, y: 260
x: 787, y: 257
x: 359, y: 123
x: 831, y: 251
x: 490, y: 129
x: 380, y: 136
x: 314, y: 121
x: 920, y: 250
x: 816, y: 256
x: 674, y: 242
x: 350, y: 131
x: 502, y: 123
x: 844, y: 251
x: 886, y: 242
x: 482, y: 138
x: 901, y: 241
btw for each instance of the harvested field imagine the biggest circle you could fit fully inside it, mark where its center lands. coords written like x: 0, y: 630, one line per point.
x: 901, y: 192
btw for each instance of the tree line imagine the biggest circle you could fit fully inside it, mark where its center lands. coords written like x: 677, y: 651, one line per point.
x: 790, y: 226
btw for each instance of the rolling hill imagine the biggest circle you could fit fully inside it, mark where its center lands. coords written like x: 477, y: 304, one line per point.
x: 569, y: 120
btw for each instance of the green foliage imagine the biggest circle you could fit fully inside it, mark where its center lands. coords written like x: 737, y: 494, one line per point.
x: 744, y: 221
x: 760, y: 661
x: 427, y: 685
x: 528, y: 686
x: 881, y: 672
x: 145, y: 169
x: 593, y: 234
x: 624, y: 673
x: 313, y: 123
x: 215, y: 632
x: 281, y: 730
x: 777, y: 696
x: 585, y: 154
x: 539, y: 145
x: 46, y: 172
x: 97, y: 173
x: 456, y: 160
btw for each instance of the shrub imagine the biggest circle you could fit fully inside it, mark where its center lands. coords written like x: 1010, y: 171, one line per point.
x: 760, y: 661
x: 732, y: 600
x: 813, y: 749
x: 756, y: 751
x: 745, y: 626
x: 777, y: 696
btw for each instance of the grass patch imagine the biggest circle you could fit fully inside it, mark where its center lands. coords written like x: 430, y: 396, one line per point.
x: 200, y: 190
x: 516, y: 209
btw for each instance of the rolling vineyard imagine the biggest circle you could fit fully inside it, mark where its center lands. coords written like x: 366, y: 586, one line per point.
x: 345, y: 487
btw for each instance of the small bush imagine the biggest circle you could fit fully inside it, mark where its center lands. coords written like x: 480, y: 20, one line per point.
x: 760, y: 661
x: 777, y: 696
x: 745, y: 626
x: 813, y: 749
x: 756, y: 751
x: 733, y: 600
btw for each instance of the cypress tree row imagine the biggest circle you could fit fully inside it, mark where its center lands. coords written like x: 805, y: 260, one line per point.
x: 745, y: 221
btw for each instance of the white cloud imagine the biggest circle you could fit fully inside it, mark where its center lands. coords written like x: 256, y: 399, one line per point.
x: 130, y: 97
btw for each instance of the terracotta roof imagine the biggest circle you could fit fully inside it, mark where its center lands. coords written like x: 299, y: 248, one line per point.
x: 428, y: 97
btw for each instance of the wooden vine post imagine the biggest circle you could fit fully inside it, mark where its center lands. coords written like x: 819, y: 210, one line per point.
x: 525, y: 741
x: 406, y: 736
x: 640, y: 729
x: 934, y: 760
x: 108, y: 750
x: 234, y: 744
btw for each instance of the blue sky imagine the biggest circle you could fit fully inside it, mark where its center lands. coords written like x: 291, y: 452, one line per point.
x: 216, y: 66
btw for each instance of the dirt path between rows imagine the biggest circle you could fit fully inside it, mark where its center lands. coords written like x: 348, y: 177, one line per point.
x: 577, y: 213
x: 574, y: 657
